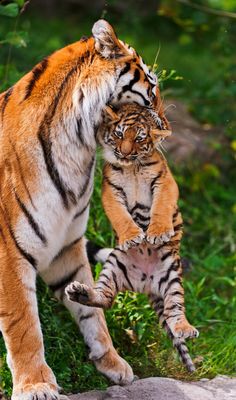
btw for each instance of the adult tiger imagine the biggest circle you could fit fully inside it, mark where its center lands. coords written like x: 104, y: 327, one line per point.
x: 48, y: 122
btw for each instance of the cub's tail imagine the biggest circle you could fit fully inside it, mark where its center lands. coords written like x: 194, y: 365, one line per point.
x: 97, y: 253
x: 180, y: 345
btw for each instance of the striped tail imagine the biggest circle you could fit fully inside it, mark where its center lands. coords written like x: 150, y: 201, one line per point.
x: 97, y: 253
x: 178, y: 343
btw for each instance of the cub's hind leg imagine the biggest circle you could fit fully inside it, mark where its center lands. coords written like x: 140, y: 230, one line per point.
x: 110, y: 282
x: 20, y: 326
x: 72, y: 264
x: 157, y: 303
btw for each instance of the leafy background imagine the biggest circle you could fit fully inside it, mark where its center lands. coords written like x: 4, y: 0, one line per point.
x: 192, y: 48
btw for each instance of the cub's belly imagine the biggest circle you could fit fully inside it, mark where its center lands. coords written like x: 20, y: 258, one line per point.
x: 144, y: 258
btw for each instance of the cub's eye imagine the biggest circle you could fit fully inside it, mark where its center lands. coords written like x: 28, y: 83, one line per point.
x: 118, y: 134
x: 140, y: 138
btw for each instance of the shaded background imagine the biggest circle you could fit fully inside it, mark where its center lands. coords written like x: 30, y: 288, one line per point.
x: 191, y: 45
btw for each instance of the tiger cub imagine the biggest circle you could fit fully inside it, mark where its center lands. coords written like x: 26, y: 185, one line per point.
x: 140, y: 199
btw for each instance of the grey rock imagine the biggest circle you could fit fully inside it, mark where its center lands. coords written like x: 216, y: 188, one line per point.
x: 219, y: 388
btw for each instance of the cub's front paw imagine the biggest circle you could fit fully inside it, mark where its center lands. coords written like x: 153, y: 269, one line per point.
x: 127, y: 243
x: 78, y: 292
x: 158, y: 235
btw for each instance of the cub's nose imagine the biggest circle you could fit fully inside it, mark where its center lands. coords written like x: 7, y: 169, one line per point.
x: 126, y: 147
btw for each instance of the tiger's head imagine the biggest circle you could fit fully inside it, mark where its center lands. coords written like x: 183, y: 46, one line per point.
x: 135, y: 82
x: 131, y: 134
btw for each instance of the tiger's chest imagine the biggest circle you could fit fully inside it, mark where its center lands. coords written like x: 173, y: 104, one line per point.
x: 57, y: 217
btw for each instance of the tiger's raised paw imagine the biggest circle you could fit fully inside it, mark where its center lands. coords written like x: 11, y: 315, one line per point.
x: 133, y: 241
x: 39, y: 391
x: 78, y: 292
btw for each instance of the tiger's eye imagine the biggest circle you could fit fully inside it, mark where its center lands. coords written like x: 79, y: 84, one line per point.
x: 140, y: 138
x: 118, y: 134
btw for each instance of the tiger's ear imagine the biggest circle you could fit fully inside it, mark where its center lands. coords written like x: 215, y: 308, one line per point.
x: 159, y: 134
x: 110, y: 115
x: 106, y: 42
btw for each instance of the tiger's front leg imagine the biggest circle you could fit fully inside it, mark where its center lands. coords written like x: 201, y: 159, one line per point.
x: 72, y: 264
x: 19, y: 322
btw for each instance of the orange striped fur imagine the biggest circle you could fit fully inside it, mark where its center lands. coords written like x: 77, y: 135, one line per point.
x: 48, y: 124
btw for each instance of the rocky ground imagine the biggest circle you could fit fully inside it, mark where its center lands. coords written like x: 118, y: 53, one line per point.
x: 219, y: 388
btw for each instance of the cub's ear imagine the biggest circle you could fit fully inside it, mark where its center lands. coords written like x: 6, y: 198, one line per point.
x: 110, y: 115
x: 106, y: 42
x: 158, y: 135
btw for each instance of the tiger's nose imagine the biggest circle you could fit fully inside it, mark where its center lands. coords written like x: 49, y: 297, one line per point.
x: 126, y: 147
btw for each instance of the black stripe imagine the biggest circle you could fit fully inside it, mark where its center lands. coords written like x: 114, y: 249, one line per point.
x: 31, y: 220
x: 175, y: 293
x: 66, y: 248
x: 149, y: 251
x: 175, y: 215
x: 178, y: 227
x: 79, y: 133
x: 144, y: 276
x: 135, y: 79
x: 23, y: 252
x: 143, y: 226
x: 166, y: 255
x: 137, y: 215
x: 141, y: 206
x: 115, y: 281
x: 79, y: 213
x: 119, y: 189
x: 37, y: 72
x: 154, y: 181
x: 6, y: 99
x: 44, y: 138
x: 105, y: 276
x: 124, y: 70
x: 176, y: 305
x: 52, y: 170
x: 88, y: 172
x: 116, y: 168
x: 84, y: 317
x: 124, y: 270
x: 148, y: 164
x: 172, y: 282
x: 103, y: 283
x: 63, y: 282
x: 166, y: 277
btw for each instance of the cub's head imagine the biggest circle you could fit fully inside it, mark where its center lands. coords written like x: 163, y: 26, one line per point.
x: 134, y: 81
x: 131, y: 134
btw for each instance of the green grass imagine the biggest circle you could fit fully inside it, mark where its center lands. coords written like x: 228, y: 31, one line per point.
x: 208, y: 205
